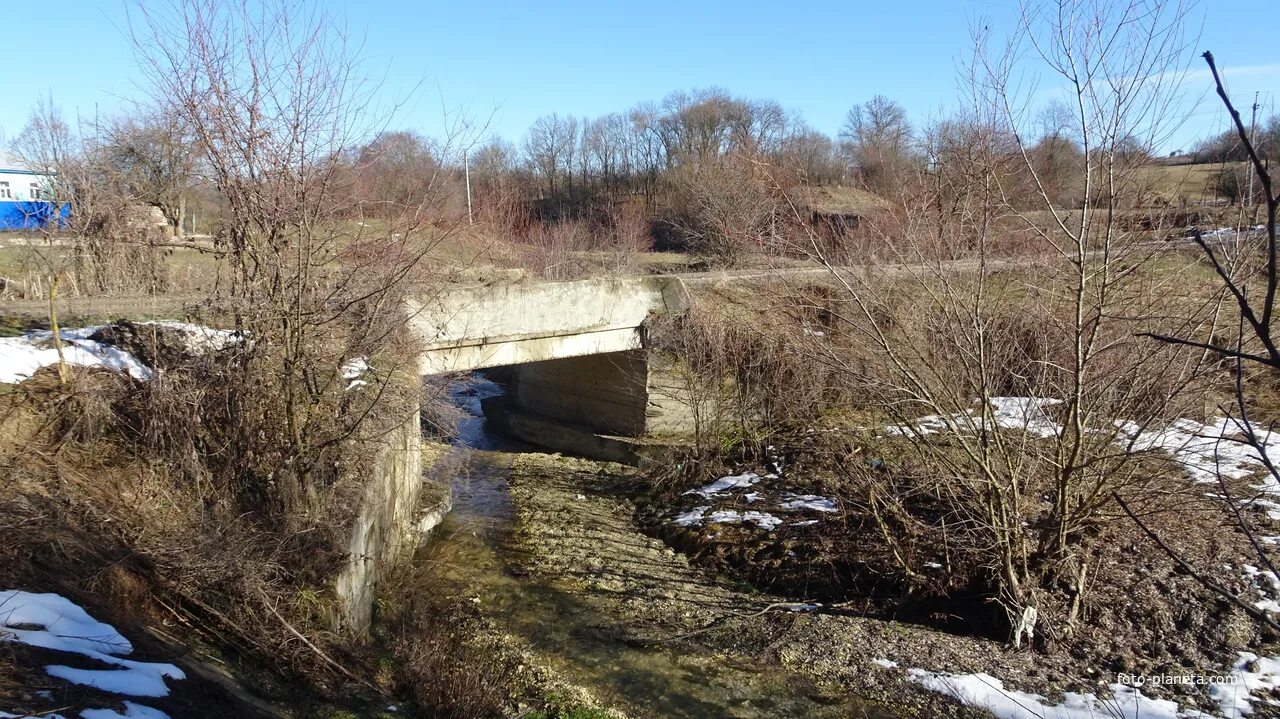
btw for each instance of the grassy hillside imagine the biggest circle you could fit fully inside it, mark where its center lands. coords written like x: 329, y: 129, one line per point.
x: 1183, y: 183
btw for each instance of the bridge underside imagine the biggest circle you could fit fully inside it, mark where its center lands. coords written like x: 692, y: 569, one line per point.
x: 582, y: 380
x: 607, y: 406
x: 503, y: 353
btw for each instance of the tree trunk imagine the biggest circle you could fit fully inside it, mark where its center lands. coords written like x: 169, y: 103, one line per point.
x: 178, y: 232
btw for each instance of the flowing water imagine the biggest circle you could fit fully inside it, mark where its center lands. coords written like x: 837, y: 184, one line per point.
x: 574, y: 637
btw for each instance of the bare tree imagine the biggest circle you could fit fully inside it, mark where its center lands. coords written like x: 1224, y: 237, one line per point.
x: 550, y: 146
x: 152, y: 155
x: 396, y: 170
x: 876, y: 137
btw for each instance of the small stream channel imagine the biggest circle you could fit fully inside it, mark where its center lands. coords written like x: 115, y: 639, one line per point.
x: 574, y: 637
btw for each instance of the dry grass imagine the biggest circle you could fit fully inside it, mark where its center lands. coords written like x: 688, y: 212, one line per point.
x: 1182, y: 184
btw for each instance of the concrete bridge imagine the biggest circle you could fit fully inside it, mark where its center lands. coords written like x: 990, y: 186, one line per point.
x: 473, y: 328
x: 581, y: 379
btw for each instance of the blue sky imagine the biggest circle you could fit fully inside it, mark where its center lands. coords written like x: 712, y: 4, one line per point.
x: 509, y: 62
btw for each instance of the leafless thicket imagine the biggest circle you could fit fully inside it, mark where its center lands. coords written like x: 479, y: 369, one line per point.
x: 1048, y: 348
x: 92, y: 232
x: 275, y: 106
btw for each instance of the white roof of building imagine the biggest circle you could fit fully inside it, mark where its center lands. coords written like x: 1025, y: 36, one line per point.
x: 12, y: 163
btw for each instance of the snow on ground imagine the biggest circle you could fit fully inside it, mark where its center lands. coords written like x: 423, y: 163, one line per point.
x: 198, y: 338
x: 693, y: 516
x: 1267, y: 585
x: 1027, y: 413
x: 352, y: 370
x: 1238, y: 693
x: 21, y: 357
x: 63, y: 626
x: 988, y: 693
x: 763, y: 520
x: 1250, y: 674
x: 1204, y: 450
x: 807, y: 501
x: 724, y: 484
x: 698, y: 515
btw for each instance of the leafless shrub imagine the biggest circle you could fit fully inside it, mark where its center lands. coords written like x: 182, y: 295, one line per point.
x: 273, y: 102
x: 722, y: 209
x: 736, y: 367
x: 438, y: 660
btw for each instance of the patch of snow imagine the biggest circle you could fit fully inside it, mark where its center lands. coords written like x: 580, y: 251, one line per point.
x: 801, y: 607
x: 805, y: 523
x: 808, y: 501
x: 1204, y: 450
x: 1267, y: 584
x: 1025, y: 413
x: 885, y: 663
x: 988, y: 693
x: 138, y: 679
x: 21, y: 357
x: 932, y: 565
x: 198, y: 338
x: 724, y: 484
x: 752, y: 496
x: 355, y: 367
x: 693, y: 516
x: 352, y: 370
x: 1236, y: 696
x: 763, y: 520
x: 63, y: 620
x: 65, y: 627
x: 131, y: 711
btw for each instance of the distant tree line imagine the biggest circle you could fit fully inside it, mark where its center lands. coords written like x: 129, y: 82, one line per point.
x: 702, y: 170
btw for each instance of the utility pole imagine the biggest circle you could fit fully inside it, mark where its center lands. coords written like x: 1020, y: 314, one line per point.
x: 1253, y: 138
x: 466, y: 169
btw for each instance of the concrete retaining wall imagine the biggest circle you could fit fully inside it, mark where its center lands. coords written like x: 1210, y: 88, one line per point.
x: 384, y: 527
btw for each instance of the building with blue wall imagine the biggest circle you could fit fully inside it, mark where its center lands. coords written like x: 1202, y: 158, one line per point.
x: 25, y: 197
